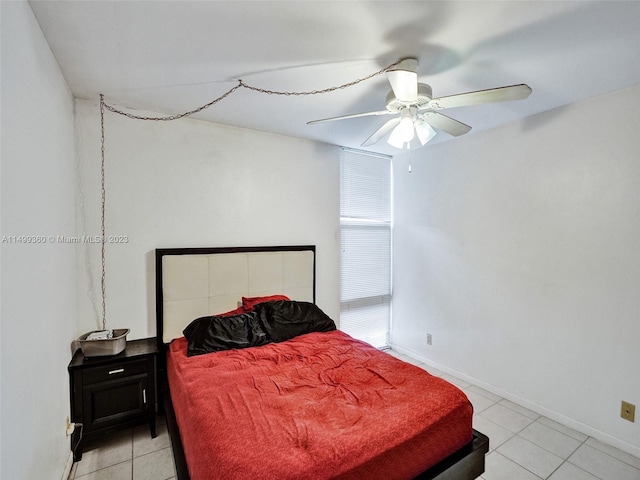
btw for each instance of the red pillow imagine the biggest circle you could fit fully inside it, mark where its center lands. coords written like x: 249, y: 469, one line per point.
x: 249, y: 303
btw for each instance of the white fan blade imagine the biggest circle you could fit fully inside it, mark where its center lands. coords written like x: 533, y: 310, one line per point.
x: 404, y: 80
x: 501, y: 94
x: 355, y: 115
x: 382, y: 131
x: 446, y: 124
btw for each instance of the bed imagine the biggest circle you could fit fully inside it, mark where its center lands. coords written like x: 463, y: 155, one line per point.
x: 293, y: 397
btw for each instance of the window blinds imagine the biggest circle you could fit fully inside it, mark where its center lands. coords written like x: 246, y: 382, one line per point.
x: 365, y: 225
x: 365, y: 186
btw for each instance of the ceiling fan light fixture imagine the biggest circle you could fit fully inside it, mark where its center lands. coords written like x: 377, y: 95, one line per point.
x: 403, y: 133
x: 424, y: 131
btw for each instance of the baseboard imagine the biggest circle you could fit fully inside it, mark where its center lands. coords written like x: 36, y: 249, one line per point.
x: 553, y: 415
x: 68, y: 466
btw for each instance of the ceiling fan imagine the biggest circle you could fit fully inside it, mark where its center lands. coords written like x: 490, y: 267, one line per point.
x: 417, y: 112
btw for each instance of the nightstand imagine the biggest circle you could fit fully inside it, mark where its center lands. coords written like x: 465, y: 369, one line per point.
x: 113, y: 392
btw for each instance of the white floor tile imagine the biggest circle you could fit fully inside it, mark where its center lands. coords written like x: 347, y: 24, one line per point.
x: 410, y: 360
x: 614, y: 452
x: 115, y: 449
x: 521, y: 410
x: 432, y: 370
x: 486, y: 393
x: 157, y: 465
x: 530, y: 456
x: 551, y: 440
x: 143, y: 443
x: 507, y: 418
x: 501, y: 468
x: 497, y: 434
x: 479, y: 402
x: 121, y: 471
x: 581, y: 437
x: 602, y: 465
x: 456, y: 381
x: 568, y: 471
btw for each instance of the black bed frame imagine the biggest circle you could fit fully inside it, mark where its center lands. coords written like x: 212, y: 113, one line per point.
x: 468, y: 463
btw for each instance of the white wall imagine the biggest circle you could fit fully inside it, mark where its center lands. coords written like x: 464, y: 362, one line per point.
x: 518, y: 250
x: 189, y: 183
x: 38, y: 280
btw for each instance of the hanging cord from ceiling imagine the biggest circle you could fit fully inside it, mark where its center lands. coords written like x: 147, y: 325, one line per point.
x: 241, y: 84
x: 172, y: 117
x: 103, y: 199
x: 326, y: 90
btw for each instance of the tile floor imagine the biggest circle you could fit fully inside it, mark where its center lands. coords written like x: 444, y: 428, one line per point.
x: 523, y: 446
x: 128, y: 455
x: 526, y: 446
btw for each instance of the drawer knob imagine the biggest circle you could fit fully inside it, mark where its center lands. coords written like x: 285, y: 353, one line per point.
x: 119, y: 370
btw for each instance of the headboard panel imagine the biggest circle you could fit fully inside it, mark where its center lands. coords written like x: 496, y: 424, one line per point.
x: 195, y: 282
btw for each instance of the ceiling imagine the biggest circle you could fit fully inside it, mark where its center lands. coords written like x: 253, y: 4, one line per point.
x: 174, y: 56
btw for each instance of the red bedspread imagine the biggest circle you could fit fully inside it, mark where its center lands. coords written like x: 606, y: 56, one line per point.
x: 319, y: 406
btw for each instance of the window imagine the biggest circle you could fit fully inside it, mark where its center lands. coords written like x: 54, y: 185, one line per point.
x: 365, y: 228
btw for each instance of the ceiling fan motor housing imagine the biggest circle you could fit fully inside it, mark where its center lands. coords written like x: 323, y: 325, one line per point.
x: 424, y: 97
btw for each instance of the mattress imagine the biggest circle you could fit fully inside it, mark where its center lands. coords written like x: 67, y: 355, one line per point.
x: 319, y: 406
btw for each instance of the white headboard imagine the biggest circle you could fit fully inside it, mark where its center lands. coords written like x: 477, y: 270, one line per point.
x: 196, y: 282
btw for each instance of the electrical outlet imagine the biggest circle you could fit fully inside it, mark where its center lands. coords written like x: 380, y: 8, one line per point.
x: 628, y: 411
x: 429, y: 339
x: 70, y: 427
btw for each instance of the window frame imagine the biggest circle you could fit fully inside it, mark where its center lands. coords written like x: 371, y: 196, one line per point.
x: 350, y: 218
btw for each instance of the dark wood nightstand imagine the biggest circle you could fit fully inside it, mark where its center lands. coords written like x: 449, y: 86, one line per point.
x: 113, y: 392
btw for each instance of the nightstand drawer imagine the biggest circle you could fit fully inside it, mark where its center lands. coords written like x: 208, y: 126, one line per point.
x: 105, y: 373
x: 115, y: 401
